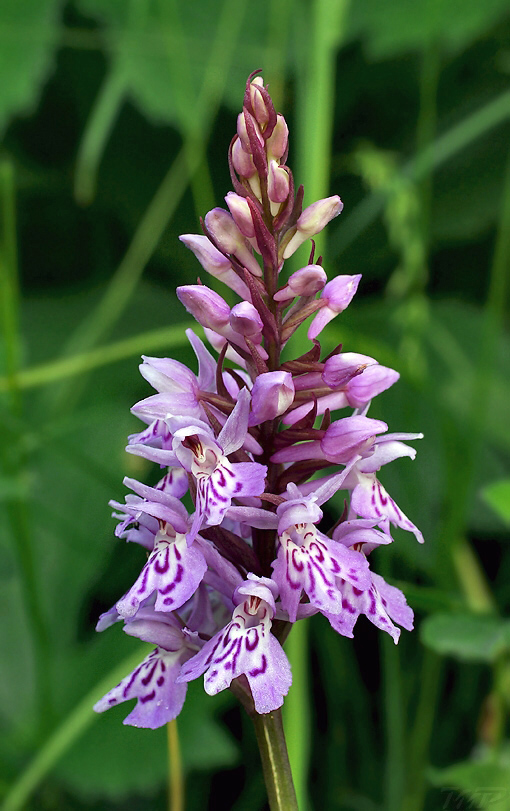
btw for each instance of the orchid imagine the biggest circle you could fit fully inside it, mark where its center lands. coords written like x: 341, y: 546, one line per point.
x: 244, y: 440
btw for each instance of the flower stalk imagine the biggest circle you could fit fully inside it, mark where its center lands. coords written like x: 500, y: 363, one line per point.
x: 275, y: 761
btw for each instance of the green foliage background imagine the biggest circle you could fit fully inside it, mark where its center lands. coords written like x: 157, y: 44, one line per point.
x: 115, y: 118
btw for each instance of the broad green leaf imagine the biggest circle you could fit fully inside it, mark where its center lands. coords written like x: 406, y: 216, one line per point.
x: 145, y: 41
x: 484, y: 782
x: 389, y: 29
x: 497, y: 496
x: 29, y: 31
x: 467, y: 637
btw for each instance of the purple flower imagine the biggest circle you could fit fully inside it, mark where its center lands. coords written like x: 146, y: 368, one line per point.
x: 306, y: 281
x: 218, y: 480
x: 348, y: 379
x: 229, y: 238
x: 312, y: 221
x: 310, y: 562
x: 174, y: 571
x: 246, y: 647
x: 381, y: 603
x: 272, y: 394
x: 336, y: 296
x: 369, y: 499
x: 343, y: 439
x: 215, y: 262
x: 154, y: 682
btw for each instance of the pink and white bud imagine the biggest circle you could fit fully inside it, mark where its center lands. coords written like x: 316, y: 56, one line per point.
x: 349, y: 437
x: 272, y: 394
x: 254, y: 182
x: 361, y: 377
x: 242, y: 161
x: 215, y: 263
x: 278, y: 184
x: 336, y: 296
x: 241, y: 213
x: 242, y: 131
x: 222, y: 227
x: 312, y: 221
x: 304, y: 282
x: 277, y: 142
x: 368, y: 385
x: 258, y: 103
x: 206, y: 306
x: 245, y: 320
x: 339, y: 370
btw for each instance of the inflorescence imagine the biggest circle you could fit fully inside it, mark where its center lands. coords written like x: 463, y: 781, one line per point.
x: 248, y: 437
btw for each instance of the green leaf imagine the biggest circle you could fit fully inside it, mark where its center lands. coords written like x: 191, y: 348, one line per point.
x: 468, y: 637
x: 484, y: 782
x: 28, y: 34
x: 114, y: 760
x: 389, y: 29
x: 145, y: 42
x: 497, y: 496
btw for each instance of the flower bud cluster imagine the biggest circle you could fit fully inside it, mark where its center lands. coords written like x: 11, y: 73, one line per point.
x: 244, y: 440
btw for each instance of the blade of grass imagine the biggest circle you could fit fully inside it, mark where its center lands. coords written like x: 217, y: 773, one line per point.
x: 63, y: 368
x: 12, y: 457
x: 163, y: 205
x: 278, y: 30
x: 320, y: 38
x: 446, y: 146
x: 66, y: 735
x: 395, y: 769
x: 97, y: 131
x: 471, y: 576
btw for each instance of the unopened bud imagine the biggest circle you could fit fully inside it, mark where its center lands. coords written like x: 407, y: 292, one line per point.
x: 272, y: 394
x: 241, y: 213
x: 245, y: 320
x: 214, y: 262
x: 206, y: 306
x: 223, y: 229
x: 242, y: 161
x: 259, y: 105
x: 304, y: 282
x: 243, y: 132
x: 276, y: 144
x: 277, y: 183
x: 312, y: 221
x: 350, y: 436
x: 336, y: 296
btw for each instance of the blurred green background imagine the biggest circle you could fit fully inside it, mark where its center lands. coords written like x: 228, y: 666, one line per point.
x: 115, y: 117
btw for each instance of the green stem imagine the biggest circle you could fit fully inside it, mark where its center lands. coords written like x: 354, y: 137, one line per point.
x: 416, y: 783
x: 175, y: 773
x: 296, y: 710
x: 275, y: 761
